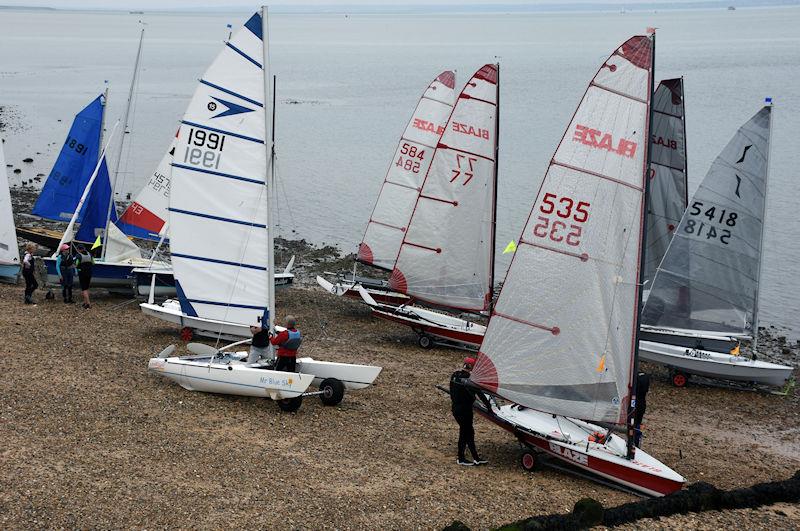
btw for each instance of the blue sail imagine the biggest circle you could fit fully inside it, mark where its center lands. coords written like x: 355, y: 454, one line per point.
x: 95, y: 208
x: 74, y: 166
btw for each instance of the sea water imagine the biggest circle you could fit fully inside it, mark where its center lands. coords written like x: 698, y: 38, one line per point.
x: 347, y: 85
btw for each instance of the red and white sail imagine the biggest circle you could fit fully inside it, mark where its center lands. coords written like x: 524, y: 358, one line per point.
x: 561, y: 338
x: 403, y: 181
x: 446, y: 254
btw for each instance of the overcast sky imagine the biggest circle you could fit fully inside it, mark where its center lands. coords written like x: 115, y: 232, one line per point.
x: 221, y: 4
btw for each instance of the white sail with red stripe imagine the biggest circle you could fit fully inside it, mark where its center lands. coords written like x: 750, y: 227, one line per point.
x: 403, y: 181
x: 561, y: 338
x: 447, y: 251
x: 148, y: 213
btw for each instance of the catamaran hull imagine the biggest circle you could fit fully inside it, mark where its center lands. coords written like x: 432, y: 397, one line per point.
x: 9, y: 273
x: 170, y: 311
x: 353, y: 376
x: 543, y: 432
x: 459, y: 332
x: 165, y: 282
x: 197, y: 374
x: 714, y: 365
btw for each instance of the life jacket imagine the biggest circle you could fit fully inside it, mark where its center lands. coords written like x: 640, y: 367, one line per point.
x: 84, y: 262
x: 66, y: 261
x: 293, y: 343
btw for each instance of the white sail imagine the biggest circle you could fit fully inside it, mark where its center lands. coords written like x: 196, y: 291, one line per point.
x: 446, y: 254
x: 9, y: 251
x: 708, y: 279
x: 410, y: 164
x: 119, y: 247
x: 147, y: 215
x: 667, y: 200
x: 218, y: 198
x: 561, y: 337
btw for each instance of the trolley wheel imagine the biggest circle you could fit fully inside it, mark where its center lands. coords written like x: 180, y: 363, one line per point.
x: 679, y: 379
x: 290, y: 405
x: 332, y: 391
x: 187, y: 333
x: 528, y: 461
x: 425, y: 341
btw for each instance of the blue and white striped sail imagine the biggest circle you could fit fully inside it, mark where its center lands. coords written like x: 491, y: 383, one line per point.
x: 218, y: 197
x: 74, y: 166
x: 9, y: 252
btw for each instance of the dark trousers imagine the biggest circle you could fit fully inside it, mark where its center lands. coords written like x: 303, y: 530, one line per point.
x: 68, y: 279
x: 466, y: 434
x: 30, y: 283
x: 638, y: 416
x: 286, y: 364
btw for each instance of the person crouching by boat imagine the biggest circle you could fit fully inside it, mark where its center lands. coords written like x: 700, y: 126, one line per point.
x: 85, y: 262
x: 65, y: 266
x: 29, y: 273
x: 287, y: 342
x: 462, y: 398
x: 259, y: 345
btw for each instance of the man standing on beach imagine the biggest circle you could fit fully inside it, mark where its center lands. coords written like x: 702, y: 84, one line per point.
x: 462, y: 398
x: 29, y: 273
x: 287, y: 342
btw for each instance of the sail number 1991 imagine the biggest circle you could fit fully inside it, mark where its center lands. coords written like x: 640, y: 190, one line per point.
x: 567, y: 229
x: 204, y: 148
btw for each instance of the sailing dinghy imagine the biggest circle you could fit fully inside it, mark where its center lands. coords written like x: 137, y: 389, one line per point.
x: 222, y: 182
x: 401, y: 187
x: 561, y: 341
x: 9, y: 249
x: 446, y: 257
x: 704, y: 297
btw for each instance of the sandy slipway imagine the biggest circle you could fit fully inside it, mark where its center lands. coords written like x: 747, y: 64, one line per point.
x: 90, y: 439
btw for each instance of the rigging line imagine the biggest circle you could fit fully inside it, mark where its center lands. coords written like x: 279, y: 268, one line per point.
x: 282, y: 187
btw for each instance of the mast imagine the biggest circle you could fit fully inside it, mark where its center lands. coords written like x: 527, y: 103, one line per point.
x: 103, y: 117
x: 122, y: 143
x: 685, y: 151
x: 494, y: 191
x: 631, y: 432
x: 268, y: 181
x: 768, y: 101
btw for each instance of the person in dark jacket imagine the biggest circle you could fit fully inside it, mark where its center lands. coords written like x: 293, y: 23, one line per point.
x: 642, y: 387
x: 462, y: 398
x: 259, y: 345
x: 287, y: 342
x: 84, y: 262
x: 29, y: 273
x: 65, y: 267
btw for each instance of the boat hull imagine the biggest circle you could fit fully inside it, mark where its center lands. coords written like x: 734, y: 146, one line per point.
x: 377, y: 289
x: 353, y: 376
x: 104, y: 275
x: 566, y: 440
x: 442, y: 327
x: 170, y: 311
x: 165, y: 282
x: 9, y: 273
x: 714, y: 365
x: 691, y: 339
x: 196, y: 373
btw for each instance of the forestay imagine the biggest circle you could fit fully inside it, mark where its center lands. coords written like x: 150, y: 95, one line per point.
x: 561, y: 338
x: 412, y: 158
x: 217, y: 202
x: 446, y: 254
x: 708, y: 279
x: 9, y: 252
x: 667, y: 200
x: 148, y: 213
x: 74, y: 166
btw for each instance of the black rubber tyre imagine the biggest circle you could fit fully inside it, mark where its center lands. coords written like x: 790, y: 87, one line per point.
x: 425, y: 341
x: 290, y: 405
x: 332, y: 391
x: 679, y: 379
x: 528, y: 461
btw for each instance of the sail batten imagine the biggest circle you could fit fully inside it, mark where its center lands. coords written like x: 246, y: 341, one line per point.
x: 561, y: 336
x: 446, y: 253
x: 411, y: 162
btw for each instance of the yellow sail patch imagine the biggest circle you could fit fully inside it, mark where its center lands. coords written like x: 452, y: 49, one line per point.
x: 601, y: 367
x: 511, y: 247
x: 97, y: 243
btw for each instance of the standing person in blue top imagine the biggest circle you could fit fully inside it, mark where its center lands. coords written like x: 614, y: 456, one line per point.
x: 287, y: 342
x: 65, y: 266
x: 84, y: 262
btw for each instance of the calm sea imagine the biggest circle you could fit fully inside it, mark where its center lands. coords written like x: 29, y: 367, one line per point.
x: 348, y: 84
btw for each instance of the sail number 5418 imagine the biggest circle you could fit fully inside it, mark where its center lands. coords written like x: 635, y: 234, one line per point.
x: 573, y: 213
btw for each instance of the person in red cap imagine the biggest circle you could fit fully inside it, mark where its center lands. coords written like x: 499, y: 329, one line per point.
x: 462, y: 397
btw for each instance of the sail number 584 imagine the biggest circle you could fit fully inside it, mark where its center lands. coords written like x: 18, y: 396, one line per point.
x: 567, y: 231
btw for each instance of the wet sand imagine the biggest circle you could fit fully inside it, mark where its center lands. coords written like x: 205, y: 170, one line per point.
x: 92, y: 440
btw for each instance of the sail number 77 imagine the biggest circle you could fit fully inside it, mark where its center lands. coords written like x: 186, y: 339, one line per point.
x: 568, y: 229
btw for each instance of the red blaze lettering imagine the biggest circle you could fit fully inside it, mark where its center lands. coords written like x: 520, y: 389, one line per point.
x: 470, y: 130
x: 425, y: 125
x: 597, y: 139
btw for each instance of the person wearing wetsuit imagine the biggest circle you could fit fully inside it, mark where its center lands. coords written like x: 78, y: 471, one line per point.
x: 259, y: 345
x: 642, y: 386
x: 462, y: 398
x: 29, y: 273
x: 287, y: 342
x: 84, y: 262
x: 65, y: 267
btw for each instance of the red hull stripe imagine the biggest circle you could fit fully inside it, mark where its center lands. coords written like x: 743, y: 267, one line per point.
x: 452, y: 335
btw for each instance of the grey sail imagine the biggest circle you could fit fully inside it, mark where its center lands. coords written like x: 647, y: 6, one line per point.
x: 708, y: 279
x: 668, y: 192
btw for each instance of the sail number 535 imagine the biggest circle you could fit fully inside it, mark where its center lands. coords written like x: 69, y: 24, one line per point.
x: 573, y: 215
